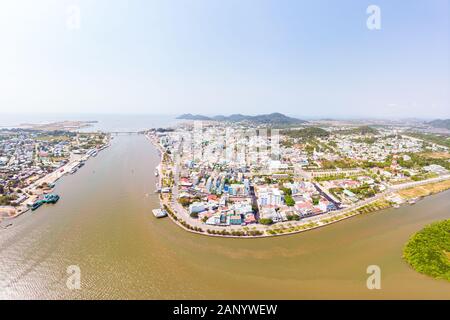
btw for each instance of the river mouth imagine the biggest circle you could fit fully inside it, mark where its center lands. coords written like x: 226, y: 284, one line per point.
x: 103, y: 224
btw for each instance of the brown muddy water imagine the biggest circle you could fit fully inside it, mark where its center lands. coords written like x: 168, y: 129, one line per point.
x: 103, y: 224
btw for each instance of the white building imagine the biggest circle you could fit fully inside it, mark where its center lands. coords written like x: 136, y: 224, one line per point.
x: 196, y: 207
x: 270, y: 196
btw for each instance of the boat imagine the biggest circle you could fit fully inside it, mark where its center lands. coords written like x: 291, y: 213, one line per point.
x: 159, y: 213
x: 37, y: 204
x: 6, y: 226
x: 51, y: 198
x: 156, y: 173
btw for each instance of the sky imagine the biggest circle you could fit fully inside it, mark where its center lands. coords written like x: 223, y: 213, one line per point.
x: 302, y: 58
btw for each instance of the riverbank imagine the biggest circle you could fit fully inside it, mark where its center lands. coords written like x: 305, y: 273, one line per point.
x: 428, y: 251
x: 408, y: 192
x: 104, y: 224
x: 46, y: 184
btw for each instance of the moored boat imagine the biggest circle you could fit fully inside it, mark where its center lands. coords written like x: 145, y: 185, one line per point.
x: 51, y: 198
x: 159, y: 213
x: 37, y: 204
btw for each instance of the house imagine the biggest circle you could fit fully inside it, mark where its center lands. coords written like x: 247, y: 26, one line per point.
x: 236, y: 219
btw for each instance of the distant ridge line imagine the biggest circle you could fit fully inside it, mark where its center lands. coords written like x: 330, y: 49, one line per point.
x: 272, y: 118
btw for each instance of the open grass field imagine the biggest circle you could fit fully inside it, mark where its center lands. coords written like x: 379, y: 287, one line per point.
x: 436, y: 155
x: 425, y: 190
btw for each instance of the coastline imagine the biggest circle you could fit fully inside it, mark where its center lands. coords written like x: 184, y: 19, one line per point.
x: 377, y: 203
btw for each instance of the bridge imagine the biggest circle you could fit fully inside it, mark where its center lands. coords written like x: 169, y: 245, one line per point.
x: 118, y: 133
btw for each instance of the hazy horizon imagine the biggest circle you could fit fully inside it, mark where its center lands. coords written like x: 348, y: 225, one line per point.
x: 325, y: 117
x: 304, y: 59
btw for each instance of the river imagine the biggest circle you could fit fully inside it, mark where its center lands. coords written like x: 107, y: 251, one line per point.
x: 103, y: 224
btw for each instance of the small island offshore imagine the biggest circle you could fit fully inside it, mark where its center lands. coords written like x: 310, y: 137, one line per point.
x: 271, y: 175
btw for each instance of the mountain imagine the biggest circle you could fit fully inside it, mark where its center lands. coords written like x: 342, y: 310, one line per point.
x: 189, y: 116
x: 439, y: 123
x: 273, y: 118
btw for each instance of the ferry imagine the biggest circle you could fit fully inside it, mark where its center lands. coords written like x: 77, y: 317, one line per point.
x: 159, y: 213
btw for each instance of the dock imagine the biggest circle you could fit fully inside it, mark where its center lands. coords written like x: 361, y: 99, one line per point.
x: 159, y: 213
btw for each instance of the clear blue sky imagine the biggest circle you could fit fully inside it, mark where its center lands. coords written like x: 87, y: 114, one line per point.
x: 303, y: 58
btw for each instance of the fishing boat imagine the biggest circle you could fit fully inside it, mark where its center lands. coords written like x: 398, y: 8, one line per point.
x: 51, y: 198
x: 159, y: 213
x: 37, y: 204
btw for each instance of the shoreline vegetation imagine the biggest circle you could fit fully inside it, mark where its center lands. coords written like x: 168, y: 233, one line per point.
x: 428, y: 251
x: 409, y: 194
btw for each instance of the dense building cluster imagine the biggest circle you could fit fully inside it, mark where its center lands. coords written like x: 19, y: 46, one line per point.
x: 27, y: 156
x: 232, y: 174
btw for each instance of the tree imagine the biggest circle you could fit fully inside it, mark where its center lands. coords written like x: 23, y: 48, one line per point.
x: 266, y: 221
x: 289, y: 200
x: 184, y: 201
